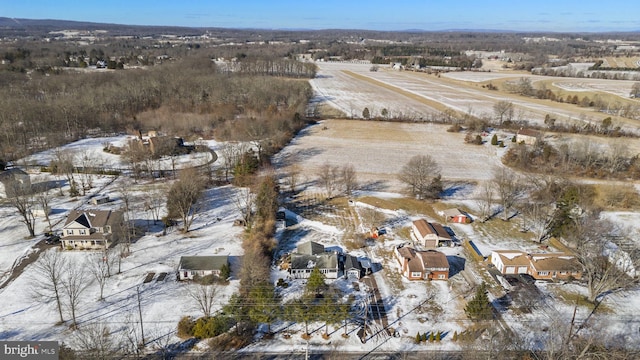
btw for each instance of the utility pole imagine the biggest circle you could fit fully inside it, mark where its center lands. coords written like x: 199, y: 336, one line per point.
x: 140, y: 313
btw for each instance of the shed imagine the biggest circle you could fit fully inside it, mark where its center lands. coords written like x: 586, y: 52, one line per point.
x: 456, y: 216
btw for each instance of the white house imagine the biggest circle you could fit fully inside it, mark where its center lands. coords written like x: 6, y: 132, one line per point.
x: 199, y: 266
x: 91, y: 229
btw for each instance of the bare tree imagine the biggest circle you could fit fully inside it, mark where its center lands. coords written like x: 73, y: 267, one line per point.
x: 243, y: 202
x: 43, y: 199
x: 183, y: 200
x: 62, y: 165
x: 231, y: 154
x: 422, y: 176
x: 96, y: 341
x: 99, y: 268
x: 328, y: 178
x: 204, y: 296
x: 348, y: 179
x: 538, y: 208
x: 74, y: 283
x: 635, y: 90
x: 47, y: 278
x: 503, y: 109
x: 509, y: 188
x: 606, y: 266
x: 485, y: 200
x: 23, y: 200
x: 156, y: 200
x: 294, y: 176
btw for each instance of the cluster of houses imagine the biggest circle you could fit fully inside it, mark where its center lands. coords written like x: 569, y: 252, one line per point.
x: 331, y: 263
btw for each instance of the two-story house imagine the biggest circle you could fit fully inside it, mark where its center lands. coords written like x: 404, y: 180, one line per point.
x: 91, y: 229
x: 422, y: 265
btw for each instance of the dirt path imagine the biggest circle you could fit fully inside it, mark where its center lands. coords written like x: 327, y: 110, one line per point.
x: 17, y: 269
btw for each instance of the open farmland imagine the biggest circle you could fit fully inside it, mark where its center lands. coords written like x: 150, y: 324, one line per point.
x: 351, y: 87
x: 378, y: 150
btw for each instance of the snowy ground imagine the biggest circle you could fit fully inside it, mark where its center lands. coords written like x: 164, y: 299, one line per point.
x: 351, y: 95
x: 377, y: 150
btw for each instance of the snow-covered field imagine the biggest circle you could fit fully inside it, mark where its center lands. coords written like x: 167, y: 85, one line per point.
x: 351, y: 95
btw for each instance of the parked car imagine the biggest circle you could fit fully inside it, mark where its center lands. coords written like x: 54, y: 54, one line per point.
x: 53, y: 239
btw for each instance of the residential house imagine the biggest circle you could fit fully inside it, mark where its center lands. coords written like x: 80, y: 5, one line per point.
x: 310, y: 255
x: 352, y: 267
x: 541, y: 266
x: 13, y: 181
x: 528, y: 136
x: 456, y: 216
x: 429, y: 235
x: 200, y: 266
x: 422, y: 265
x: 91, y: 229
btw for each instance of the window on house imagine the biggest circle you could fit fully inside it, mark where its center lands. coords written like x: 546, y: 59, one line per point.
x: 441, y: 276
x: 83, y: 232
x: 416, y: 274
x: 69, y: 232
x: 543, y: 273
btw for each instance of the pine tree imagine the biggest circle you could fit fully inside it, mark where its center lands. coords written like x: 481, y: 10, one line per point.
x: 431, y: 337
x: 315, y: 283
x: 494, y: 139
x: 455, y: 335
x: 418, y: 338
x: 424, y: 337
x: 438, y: 336
x: 479, y: 308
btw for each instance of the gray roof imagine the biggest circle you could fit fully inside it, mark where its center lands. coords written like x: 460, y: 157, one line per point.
x: 92, y: 218
x: 203, y: 262
x: 322, y: 261
x: 310, y: 248
x: 351, y: 262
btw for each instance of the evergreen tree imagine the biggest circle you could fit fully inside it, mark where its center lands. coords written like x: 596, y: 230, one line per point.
x: 479, y: 308
x: 431, y: 337
x: 494, y: 139
x: 315, y: 283
x: 365, y: 113
x: 438, y: 336
x: 455, y: 335
x: 418, y: 338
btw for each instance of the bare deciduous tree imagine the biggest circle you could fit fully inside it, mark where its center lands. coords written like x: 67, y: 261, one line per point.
x: 509, y: 188
x: 204, y: 296
x: 24, y: 201
x: 243, y: 202
x: 503, y: 109
x: 231, y: 154
x: 99, y: 268
x: 74, y: 283
x: 47, y: 278
x: 348, y: 179
x: 328, y: 176
x: 606, y: 266
x: 96, y: 341
x: 184, y: 197
x: 485, y: 200
x: 421, y: 174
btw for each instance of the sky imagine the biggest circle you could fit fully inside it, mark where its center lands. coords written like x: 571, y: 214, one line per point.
x: 518, y: 15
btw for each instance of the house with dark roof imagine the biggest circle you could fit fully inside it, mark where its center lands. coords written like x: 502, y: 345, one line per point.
x: 310, y: 255
x: 429, y: 235
x: 13, y: 181
x: 352, y: 267
x: 200, y: 266
x: 422, y: 265
x: 541, y: 266
x: 91, y: 229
